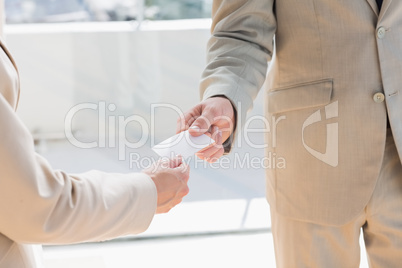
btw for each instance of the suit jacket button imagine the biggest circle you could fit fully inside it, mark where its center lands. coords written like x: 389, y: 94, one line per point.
x: 378, y: 97
x: 381, y: 32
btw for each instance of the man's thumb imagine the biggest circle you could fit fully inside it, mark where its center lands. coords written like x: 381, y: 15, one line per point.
x: 200, y: 126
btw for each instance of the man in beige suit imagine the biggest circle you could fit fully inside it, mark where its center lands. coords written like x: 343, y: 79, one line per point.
x: 39, y: 205
x: 335, y: 78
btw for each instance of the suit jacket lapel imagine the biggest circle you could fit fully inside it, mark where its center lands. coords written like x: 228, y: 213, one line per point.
x: 374, y: 6
x: 384, y: 8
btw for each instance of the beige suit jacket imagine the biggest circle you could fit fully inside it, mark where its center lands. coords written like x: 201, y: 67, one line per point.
x: 335, y: 74
x: 40, y: 205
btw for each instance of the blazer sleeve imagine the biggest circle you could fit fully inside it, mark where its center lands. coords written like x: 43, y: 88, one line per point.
x: 46, y: 206
x: 238, y: 52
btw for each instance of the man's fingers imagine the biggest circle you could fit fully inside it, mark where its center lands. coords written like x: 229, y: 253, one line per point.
x: 185, y: 121
x: 181, y: 122
x: 214, y: 149
x: 213, y: 158
x: 190, y: 122
x: 201, y: 124
x: 211, y: 155
x: 217, y: 136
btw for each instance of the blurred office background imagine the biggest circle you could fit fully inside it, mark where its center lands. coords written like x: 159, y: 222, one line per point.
x: 133, y: 55
x: 33, y: 11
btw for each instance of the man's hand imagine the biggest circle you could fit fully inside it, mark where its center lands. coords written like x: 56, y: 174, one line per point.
x: 214, y: 117
x: 170, y: 177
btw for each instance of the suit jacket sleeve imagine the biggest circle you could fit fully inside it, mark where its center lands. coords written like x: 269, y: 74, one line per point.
x: 238, y: 51
x: 42, y: 205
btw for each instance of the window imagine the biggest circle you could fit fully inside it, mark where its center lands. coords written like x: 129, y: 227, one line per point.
x: 37, y: 11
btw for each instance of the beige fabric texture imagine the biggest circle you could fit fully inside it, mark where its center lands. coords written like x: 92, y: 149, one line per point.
x: 303, y: 244
x: 40, y: 205
x: 327, y: 62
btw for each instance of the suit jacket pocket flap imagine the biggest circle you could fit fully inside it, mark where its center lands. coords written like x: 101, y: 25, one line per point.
x: 300, y: 96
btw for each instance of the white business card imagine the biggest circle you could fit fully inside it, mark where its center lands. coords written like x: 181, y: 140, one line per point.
x: 182, y: 144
